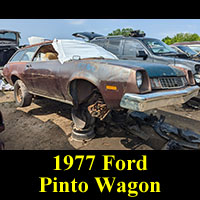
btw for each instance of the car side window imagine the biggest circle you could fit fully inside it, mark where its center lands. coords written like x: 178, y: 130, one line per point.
x: 17, y: 57
x: 46, y: 53
x: 100, y: 41
x: 24, y: 55
x: 28, y: 55
x: 131, y: 47
x: 113, y: 45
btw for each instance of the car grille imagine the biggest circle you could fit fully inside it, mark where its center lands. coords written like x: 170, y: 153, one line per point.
x: 168, y: 82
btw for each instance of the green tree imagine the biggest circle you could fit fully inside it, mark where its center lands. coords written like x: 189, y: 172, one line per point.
x: 181, y: 37
x: 125, y: 32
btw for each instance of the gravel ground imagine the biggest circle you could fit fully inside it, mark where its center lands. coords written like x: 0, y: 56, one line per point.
x: 46, y: 124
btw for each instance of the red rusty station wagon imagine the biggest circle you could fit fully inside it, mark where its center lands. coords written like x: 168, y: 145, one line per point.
x: 94, y: 80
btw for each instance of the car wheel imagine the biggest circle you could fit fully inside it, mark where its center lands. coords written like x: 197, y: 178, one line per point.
x: 22, y: 97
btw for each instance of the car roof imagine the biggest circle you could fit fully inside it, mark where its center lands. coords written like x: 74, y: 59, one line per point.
x: 38, y: 44
x: 188, y: 42
x: 5, y: 31
x: 127, y: 37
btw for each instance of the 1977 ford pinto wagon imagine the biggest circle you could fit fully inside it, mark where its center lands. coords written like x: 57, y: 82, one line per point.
x: 94, y: 80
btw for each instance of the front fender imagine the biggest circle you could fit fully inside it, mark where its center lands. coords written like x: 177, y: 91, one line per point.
x: 83, y: 75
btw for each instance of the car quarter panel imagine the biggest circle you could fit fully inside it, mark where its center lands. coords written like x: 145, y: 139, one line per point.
x: 16, y: 69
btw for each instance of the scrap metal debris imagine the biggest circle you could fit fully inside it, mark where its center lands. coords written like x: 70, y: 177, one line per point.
x: 193, y: 103
x: 176, y: 137
x: 5, y: 86
x: 98, y: 110
x: 144, y: 128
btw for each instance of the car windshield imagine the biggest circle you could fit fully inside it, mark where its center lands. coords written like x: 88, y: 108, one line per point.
x: 195, y: 48
x: 158, y: 47
x: 7, y: 36
x: 187, y: 50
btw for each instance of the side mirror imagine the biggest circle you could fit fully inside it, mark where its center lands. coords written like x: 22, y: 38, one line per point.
x: 141, y: 54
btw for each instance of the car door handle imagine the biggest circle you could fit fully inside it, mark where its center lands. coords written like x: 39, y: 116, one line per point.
x: 28, y: 66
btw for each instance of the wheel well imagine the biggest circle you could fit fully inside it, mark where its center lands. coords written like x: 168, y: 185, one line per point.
x: 86, y: 95
x: 81, y: 90
x: 14, y: 79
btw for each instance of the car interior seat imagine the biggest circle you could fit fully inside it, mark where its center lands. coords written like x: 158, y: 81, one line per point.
x: 51, y: 56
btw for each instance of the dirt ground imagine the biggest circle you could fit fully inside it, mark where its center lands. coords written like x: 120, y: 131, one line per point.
x: 46, y: 124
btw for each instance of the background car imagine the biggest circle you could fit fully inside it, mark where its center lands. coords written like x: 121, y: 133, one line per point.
x: 140, y: 48
x: 94, y: 81
x: 194, y: 45
x: 9, y: 44
x: 190, y: 54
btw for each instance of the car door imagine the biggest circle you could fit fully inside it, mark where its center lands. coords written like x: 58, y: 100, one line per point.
x: 134, y: 50
x: 114, y: 45
x: 25, y: 63
x: 45, y: 74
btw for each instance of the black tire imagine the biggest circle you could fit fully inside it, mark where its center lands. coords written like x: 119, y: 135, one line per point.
x: 22, y: 97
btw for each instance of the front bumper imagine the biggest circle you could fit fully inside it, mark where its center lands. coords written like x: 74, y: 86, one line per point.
x: 144, y: 102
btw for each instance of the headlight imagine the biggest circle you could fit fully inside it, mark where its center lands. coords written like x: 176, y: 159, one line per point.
x: 139, y: 79
x: 197, y: 68
x: 197, y: 78
x: 191, y: 78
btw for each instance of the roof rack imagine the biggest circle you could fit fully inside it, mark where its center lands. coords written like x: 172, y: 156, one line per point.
x: 137, y: 33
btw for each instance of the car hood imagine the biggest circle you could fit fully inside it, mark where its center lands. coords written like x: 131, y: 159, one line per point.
x: 153, y: 70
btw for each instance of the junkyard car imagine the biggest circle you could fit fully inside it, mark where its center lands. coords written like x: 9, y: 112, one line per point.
x: 94, y: 80
x: 194, y: 45
x: 9, y: 43
x: 190, y: 53
x: 140, y: 48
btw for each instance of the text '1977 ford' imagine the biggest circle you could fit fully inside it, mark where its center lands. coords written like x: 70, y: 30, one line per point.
x: 94, y: 80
